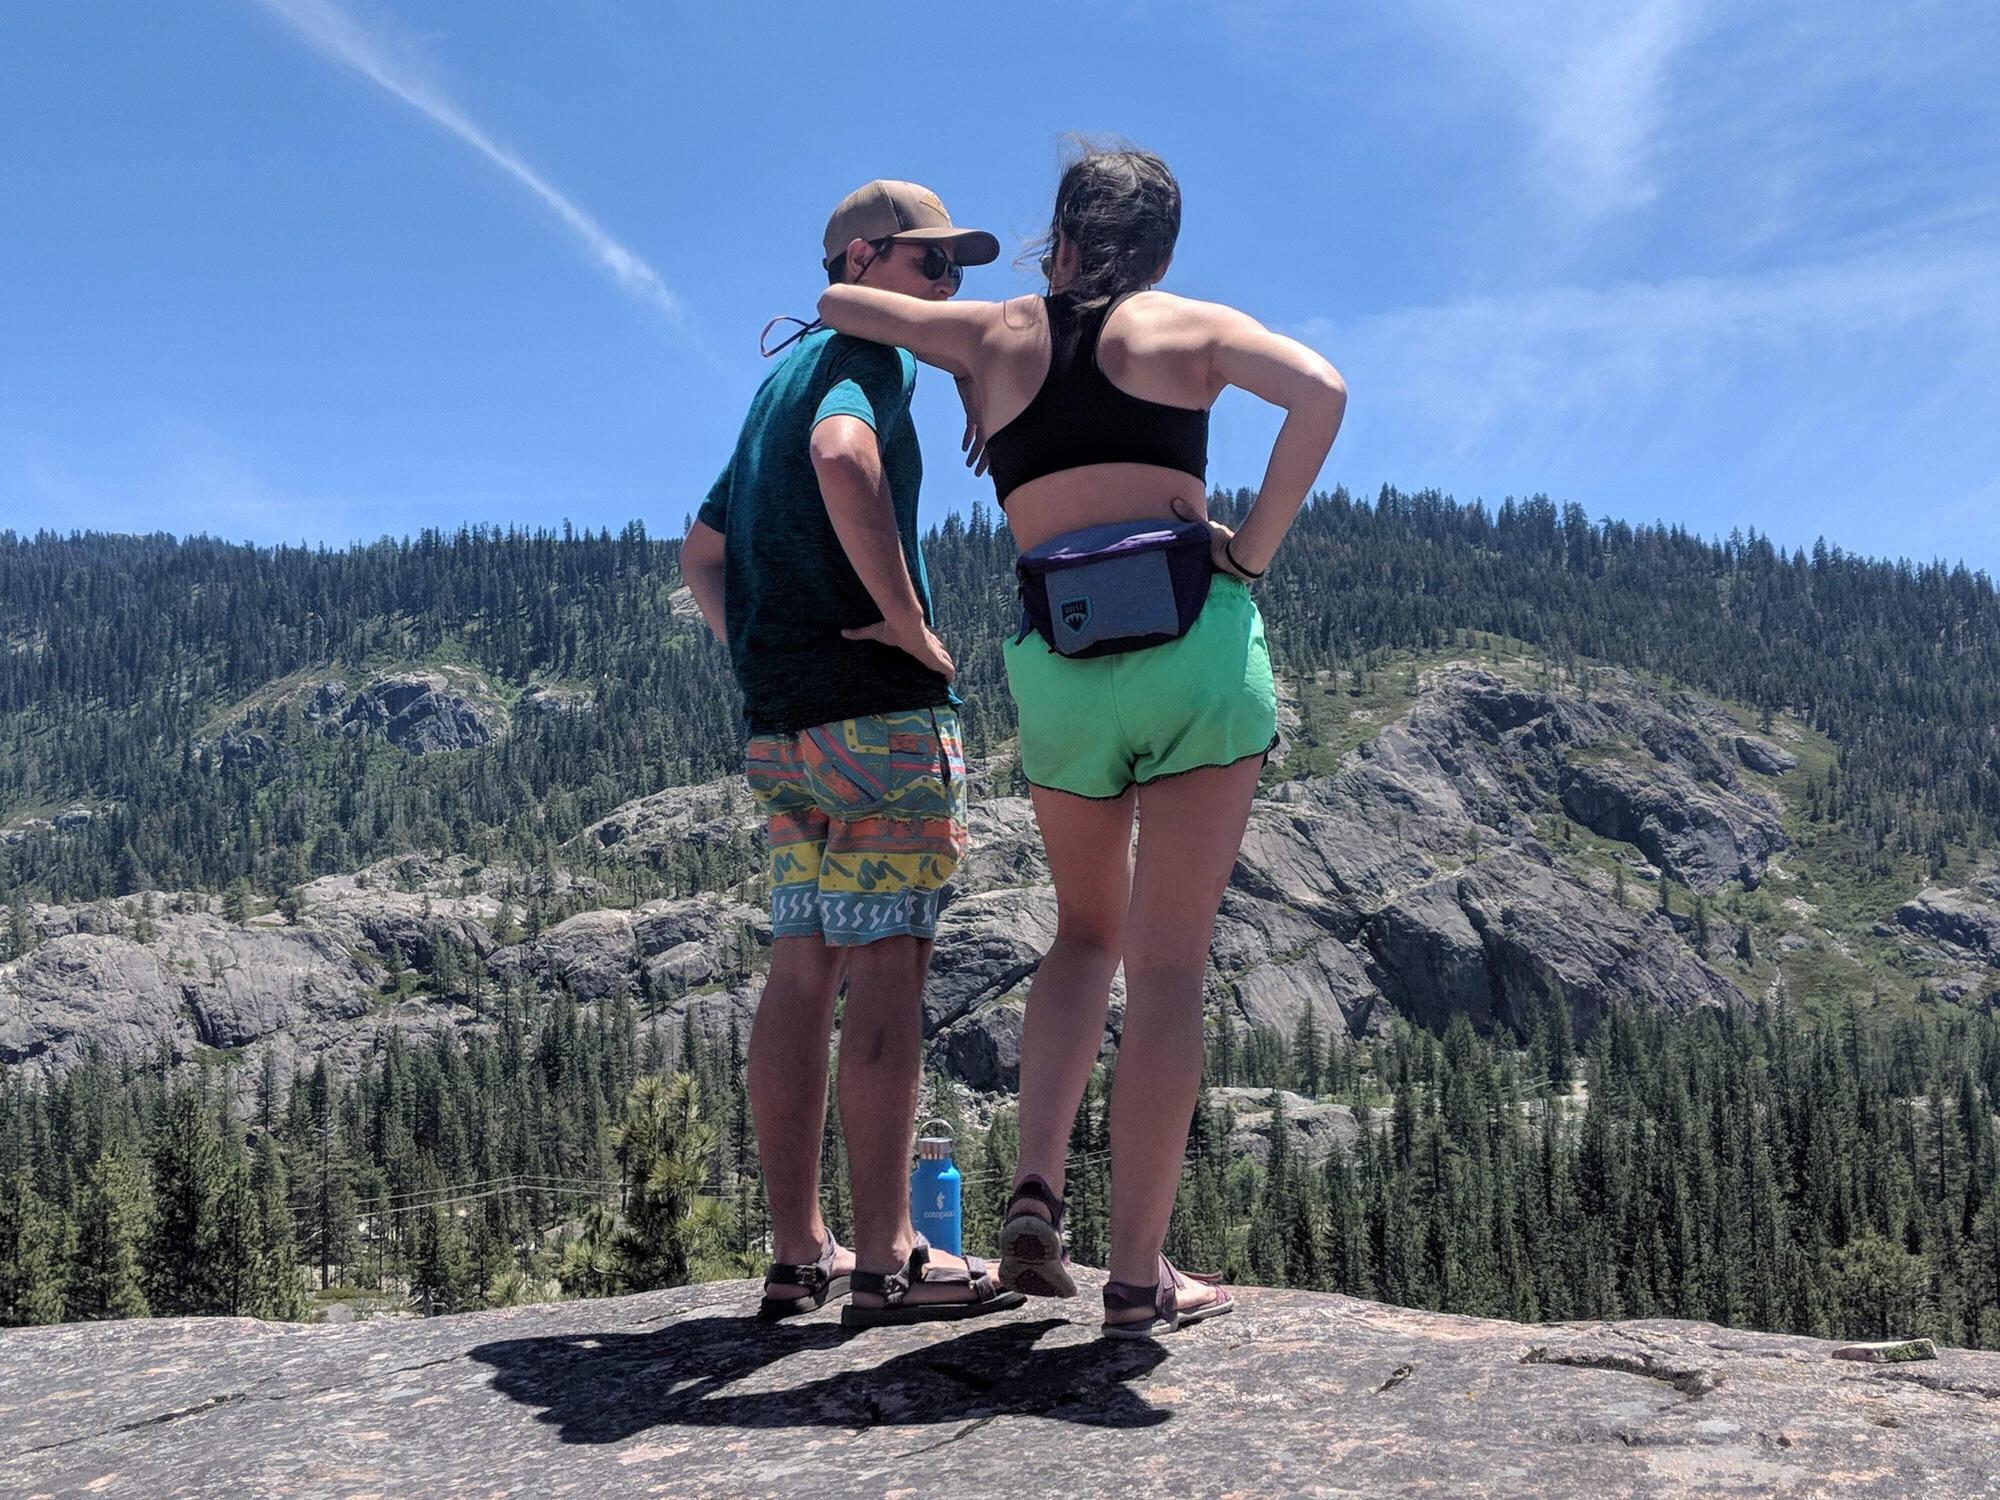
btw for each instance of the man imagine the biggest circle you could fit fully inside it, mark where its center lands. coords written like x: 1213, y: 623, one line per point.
x: 804, y: 562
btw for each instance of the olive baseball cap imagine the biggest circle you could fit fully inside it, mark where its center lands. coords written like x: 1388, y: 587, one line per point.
x: 887, y: 210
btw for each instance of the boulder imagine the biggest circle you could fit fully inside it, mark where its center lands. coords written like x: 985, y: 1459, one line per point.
x: 1763, y: 757
x: 1962, y: 918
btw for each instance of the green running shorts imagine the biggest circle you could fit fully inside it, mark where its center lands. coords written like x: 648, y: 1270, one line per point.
x: 1097, y: 725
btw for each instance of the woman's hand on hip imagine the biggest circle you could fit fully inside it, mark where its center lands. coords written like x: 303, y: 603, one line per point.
x: 1219, y: 538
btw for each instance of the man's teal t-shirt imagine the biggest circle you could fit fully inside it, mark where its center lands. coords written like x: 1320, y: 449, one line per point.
x: 788, y: 588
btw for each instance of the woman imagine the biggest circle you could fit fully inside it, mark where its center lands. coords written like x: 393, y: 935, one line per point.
x: 1093, y: 402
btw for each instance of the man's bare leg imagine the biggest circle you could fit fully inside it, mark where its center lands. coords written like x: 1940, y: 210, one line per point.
x: 787, y: 1082
x: 881, y: 1065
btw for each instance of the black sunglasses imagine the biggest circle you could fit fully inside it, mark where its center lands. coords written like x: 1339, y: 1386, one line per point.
x: 937, y: 265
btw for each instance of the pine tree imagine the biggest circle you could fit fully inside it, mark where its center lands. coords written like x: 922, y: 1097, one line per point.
x: 1087, y: 1186
x: 20, y: 934
x: 31, y: 1279
x: 590, y: 1263
x: 1309, y: 1053
x: 237, y: 1273
x: 668, y: 1150
x: 105, y: 1273
x: 442, y: 1279
x: 281, y: 1292
x: 188, y: 1180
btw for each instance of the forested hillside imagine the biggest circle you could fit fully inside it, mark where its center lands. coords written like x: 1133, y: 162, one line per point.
x: 127, y: 659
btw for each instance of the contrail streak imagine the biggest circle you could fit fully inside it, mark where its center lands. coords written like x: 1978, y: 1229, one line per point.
x: 336, y: 35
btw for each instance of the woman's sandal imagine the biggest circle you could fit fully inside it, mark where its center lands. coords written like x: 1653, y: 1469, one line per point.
x: 1162, y: 1298
x: 893, y: 1287
x: 817, y: 1278
x: 1032, y: 1257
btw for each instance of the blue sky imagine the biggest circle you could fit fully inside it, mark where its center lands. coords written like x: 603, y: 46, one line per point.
x: 293, y: 270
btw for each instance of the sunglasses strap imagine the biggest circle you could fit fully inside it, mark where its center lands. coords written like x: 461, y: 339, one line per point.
x: 767, y: 349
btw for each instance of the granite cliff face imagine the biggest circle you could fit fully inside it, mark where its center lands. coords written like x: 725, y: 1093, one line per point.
x: 681, y: 1393
x: 1412, y: 880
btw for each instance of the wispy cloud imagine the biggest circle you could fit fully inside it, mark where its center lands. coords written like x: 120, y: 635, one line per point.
x: 336, y: 35
x: 1591, y: 83
x: 1552, y: 358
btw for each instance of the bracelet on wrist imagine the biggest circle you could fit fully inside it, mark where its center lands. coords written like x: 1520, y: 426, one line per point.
x: 1229, y: 551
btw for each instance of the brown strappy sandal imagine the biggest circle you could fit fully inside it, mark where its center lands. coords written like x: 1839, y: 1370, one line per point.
x: 893, y: 1287
x: 817, y: 1278
x: 1163, y: 1297
x: 1032, y: 1257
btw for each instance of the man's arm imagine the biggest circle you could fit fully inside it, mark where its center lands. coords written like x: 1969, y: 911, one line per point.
x: 702, y: 571
x: 848, y: 462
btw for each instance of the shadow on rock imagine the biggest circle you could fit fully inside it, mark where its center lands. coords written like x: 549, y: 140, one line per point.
x: 601, y: 1388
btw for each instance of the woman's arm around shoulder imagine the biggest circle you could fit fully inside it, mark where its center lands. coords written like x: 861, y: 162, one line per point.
x: 954, y: 335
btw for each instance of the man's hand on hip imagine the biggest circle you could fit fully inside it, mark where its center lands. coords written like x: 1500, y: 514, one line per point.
x: 916, y: 638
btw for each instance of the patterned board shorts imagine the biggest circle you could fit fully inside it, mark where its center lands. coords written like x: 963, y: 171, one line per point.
x: 867, y: 821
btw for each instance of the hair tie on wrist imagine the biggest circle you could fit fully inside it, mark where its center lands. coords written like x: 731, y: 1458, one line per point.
x: 1229, y: 551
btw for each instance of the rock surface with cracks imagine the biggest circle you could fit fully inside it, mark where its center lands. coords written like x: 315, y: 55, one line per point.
x: 680, y: 1393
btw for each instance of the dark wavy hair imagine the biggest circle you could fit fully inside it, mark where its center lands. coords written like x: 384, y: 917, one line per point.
x: 1121, y: 208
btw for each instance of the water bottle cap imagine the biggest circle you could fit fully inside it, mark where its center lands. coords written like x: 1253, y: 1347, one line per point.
x: 935, y: 1147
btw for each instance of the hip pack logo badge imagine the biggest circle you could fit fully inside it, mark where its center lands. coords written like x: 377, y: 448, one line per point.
x: 1075, y: 613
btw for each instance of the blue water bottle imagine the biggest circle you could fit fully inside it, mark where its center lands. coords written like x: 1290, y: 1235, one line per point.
x: 934, y: 1190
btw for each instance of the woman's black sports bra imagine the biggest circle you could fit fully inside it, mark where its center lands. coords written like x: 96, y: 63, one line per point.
x: 1079, y: 417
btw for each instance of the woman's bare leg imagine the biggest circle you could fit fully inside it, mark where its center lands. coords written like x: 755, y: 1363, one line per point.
x: 1089, y: 844
x: 1190, y: 829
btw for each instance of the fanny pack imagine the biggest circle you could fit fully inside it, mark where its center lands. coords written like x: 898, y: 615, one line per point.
x: 1117, y: 587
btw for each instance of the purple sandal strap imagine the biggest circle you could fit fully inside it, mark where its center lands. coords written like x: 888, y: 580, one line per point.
x: 1126, y: 1296
x: 1036, y: 1189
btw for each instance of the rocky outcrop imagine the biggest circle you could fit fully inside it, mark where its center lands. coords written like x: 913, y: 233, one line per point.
x: 80, y: 988
x: 1627, y: 762
x: 988, y: 948
x: 681, y: 1393
x: 1312, y: 1129
x: 1964, y: 919
x: 418, y: 712
x: 548, y: 699
x: 668, y: 947
x: 1689, y: 832
x: 242, y: 749
x: 200, y: 982
x: 1504, y: 938
x: 1410, y: 881
x: 422, y: 712
x: 712, y: 815
x: 1763, y: 757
